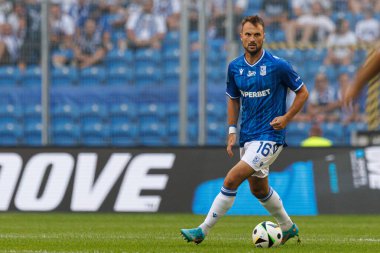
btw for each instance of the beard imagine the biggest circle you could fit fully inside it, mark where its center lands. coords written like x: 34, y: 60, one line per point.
x: 253, y: 52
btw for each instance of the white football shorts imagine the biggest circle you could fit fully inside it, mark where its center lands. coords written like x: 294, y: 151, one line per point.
x: 259, y: 155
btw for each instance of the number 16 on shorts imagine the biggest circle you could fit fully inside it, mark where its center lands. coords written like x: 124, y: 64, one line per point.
x: 260, y: 154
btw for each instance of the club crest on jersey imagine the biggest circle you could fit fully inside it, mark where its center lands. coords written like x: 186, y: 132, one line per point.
x: 263, y: 70
x: 251, y: 73
x: 241, y: 71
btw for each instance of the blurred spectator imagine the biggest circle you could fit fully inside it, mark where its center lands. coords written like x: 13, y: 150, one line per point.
x: 16, y: 18
x: 313, y: 26
x: 9, y: 45
x: 351, y: 113
x: 80, y: 11
x: 217, y: 26
x: 62, y: 27
x: 367, y: 30
x: 170, y: 10
x: 89, y: 48
x: 275, y: 14
x: 193, y: 8
x: 316, y: 138
x: 341, y: 6
x: 133, y: 6
x: 358, y: 6
x: 341, y: 45
x: 5, y: 7
x: 304, y: 7
x: 323, y: 104
x: 145, y: 29
x: 30, y: 51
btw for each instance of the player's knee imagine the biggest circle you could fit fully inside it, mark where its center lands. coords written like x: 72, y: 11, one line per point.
x: 230, y: 183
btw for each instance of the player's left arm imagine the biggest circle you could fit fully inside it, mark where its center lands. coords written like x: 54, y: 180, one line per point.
x: 280, y: 122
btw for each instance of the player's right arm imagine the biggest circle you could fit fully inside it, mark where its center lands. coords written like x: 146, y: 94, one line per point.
x: 233, y: 110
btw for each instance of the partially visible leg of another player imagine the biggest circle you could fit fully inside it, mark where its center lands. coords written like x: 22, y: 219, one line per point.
x: 258, y: 180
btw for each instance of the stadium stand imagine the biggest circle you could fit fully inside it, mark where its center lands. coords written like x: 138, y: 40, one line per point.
x: 131, y: 97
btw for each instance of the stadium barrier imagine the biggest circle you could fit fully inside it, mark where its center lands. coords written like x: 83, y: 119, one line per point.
x: 310, y: 181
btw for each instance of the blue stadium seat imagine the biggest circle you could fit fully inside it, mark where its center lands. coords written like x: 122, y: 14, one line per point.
x: 171, y: 75
x: 156, y: 111
x: 330, y: 72
x: 10, y: 134
x: 11, y: 112
x: 216, y: 74
x: 123, y: 112
x: 65, y: 134
x: 149, y: 55
x: 171, y: 38
x: 32, y: 127
x: 66, y: 110
x: 216, y: 132
x: 334, y: 132
x: 93, y: 113
x: 120, y: 76
x: 64, y: 76
x: 32, y: 132
x: 296, y: 132
x: 253, y: 7
x: 119, y: 58
x: 172, y: 53
x: 192, y: 132
x: 216, y: 111
x: 32, y: 139
x: 65, y: 140
x: 153, y: 134
x: 32, y: 112
x: 316, y: 55
x: 193, y: 36
x: 192, y: 111
x: 124, y: 134
x: 148, y: 75
x: 32, y: 77
x: 353, y: 127
x: 9, y: 76
x: 92, y: 76
x: 95, y: 134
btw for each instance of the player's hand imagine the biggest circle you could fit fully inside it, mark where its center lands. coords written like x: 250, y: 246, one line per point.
x: 348, y: 97
x: 230, y: 143
x: 279, y: 123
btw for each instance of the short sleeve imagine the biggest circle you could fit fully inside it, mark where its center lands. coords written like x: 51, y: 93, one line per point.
x: 289, y: 76
x: 232, y: 90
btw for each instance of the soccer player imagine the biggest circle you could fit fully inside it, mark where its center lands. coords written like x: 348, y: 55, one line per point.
x: 257, y: 83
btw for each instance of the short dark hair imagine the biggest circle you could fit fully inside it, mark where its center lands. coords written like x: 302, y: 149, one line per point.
x: 254, y: 20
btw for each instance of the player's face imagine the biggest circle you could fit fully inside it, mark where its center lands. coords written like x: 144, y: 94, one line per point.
x: 252, y: 37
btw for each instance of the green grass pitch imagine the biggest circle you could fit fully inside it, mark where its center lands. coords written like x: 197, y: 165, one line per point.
x: 85, y: 232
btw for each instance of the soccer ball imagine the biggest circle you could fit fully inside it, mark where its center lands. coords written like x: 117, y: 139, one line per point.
x: 267, y: 235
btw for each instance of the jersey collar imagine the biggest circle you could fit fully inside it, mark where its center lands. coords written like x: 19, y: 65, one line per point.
x: 251, y: 65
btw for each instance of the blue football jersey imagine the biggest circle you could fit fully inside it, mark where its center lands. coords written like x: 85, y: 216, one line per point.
x: 262, y: 88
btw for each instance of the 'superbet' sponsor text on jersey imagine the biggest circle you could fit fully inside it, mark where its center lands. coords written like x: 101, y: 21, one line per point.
x: 262, y: 88
x: 253, y: 94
